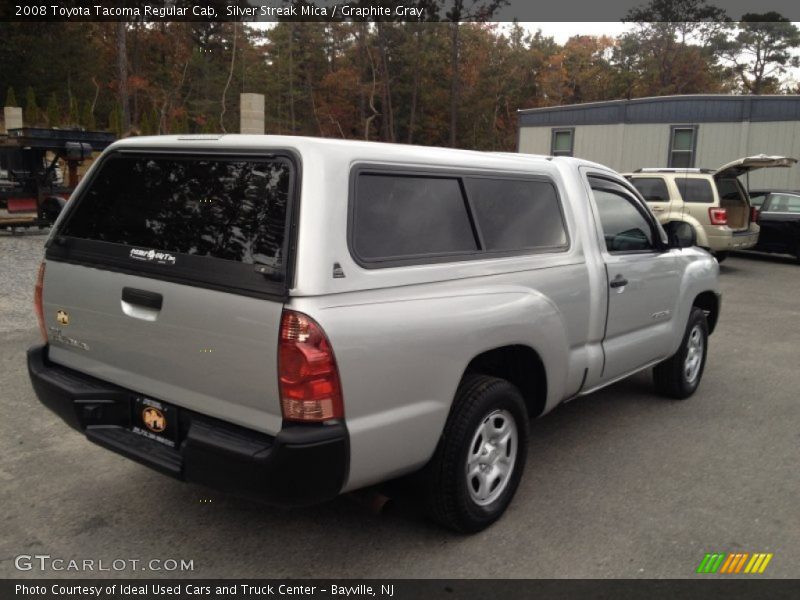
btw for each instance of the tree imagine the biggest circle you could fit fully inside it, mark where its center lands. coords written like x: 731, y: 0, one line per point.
x: 672, y: 49
x: 230, y: 76
x: 122, y: 76
x: 32, y: 113
x: 589, y: 76
x: 50, y: 57
x: 626, y: 62
x: 115, y: 120
x: 73, y: 114
x: 684, y: 18
x: 762, y: 50
x: 87, y: 116
x: 481, y: 10
x: 11, y: 98
x: 53, y: 112
x: 179, y: 122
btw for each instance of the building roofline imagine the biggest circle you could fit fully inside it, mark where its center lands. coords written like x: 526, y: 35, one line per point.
x: 659, y: 99
x: 686, y: 109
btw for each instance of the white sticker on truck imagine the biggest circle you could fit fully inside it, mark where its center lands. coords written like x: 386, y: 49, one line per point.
x: 161, y: 258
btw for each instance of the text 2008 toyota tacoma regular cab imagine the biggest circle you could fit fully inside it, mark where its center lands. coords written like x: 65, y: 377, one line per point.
x: 294, y: 318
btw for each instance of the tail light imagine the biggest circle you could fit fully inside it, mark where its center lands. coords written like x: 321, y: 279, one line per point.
x: 718, y: 216
x: 37, y: 301
x: 754, y: 214
x: 307, y: 372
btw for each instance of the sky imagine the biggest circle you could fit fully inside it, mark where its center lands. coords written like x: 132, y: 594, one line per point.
x: 561, y: 32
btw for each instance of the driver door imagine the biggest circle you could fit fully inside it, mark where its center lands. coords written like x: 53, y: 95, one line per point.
x: 643, y: 280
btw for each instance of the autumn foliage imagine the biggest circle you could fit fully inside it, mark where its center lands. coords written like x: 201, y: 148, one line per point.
x: 386, y: 81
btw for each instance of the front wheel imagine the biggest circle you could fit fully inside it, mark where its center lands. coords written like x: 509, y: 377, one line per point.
x: 678, y: 376
x: 479, y: 461
x: 720, y: 256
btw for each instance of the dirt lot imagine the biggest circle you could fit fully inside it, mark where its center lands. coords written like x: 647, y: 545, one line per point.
x: 20, y: 256
x: 618, y: 484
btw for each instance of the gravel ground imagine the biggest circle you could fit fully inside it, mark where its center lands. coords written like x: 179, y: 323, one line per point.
x: 20, y: 256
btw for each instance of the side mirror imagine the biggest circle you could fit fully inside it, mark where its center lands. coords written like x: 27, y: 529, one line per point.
x: 680, y: 234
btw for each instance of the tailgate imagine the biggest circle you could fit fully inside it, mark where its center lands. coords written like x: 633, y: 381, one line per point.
x: 210, y: 351
x: 167, y: 275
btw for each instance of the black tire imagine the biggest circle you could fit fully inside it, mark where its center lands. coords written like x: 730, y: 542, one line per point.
x: 720, y: 256
x: 672, y: 376
x: 449, y: 500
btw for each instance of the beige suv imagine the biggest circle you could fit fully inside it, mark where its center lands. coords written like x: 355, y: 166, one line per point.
x: 713, y: 202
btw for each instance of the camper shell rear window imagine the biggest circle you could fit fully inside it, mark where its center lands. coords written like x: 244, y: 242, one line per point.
x: 220, y: 221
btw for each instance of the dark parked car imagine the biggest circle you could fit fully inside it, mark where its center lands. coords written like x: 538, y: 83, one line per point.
x: 779, y: 221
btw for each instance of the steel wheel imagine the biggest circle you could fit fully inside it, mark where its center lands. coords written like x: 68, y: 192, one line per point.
x: 694, y: 354
x: 492, y: 455
x: 679, y: 375
x: 478, y: 463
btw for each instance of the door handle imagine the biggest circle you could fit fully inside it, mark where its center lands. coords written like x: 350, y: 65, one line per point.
x: 618, y: 282
x: 657, y: 208
x: 142, y: 298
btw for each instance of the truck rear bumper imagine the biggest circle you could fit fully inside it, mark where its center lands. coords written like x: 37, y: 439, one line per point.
x: 301, y: 465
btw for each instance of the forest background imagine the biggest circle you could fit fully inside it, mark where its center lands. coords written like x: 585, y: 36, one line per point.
x: 457, y: 80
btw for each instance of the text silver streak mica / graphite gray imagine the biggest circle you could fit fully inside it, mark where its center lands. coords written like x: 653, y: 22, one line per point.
x: 315, y: 316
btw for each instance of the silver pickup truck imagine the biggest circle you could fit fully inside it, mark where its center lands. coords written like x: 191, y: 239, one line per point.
x: 293, y: 318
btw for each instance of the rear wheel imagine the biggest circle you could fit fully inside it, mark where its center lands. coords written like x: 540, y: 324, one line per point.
x: 479, y: 461
x: 678, y: 376
x: 720, y: 256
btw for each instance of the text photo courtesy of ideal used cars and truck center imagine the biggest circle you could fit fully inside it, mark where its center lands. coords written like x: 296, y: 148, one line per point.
x: 434, y: 299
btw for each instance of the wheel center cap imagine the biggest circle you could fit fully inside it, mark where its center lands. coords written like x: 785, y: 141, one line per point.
x: 492, y: 455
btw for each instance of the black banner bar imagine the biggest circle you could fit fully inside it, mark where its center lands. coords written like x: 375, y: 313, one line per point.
x: 354, y: 10
x: 733, y: 588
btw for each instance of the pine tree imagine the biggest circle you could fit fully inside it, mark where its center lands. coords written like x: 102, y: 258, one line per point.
x: 155, y: 121
x: 179, y: 124
x: 73, y: 116
x: 33, y: 114
x: 53, y: 112
x: 115, y: 121
x: 87, y: 116
x: 146, y: 123
x: 11, y: 98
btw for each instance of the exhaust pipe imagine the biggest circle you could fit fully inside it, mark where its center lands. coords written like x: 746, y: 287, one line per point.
x: 371, y: 499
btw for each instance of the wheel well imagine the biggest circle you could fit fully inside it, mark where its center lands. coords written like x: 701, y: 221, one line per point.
x: 519, y: 365
x: 709, y: 304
